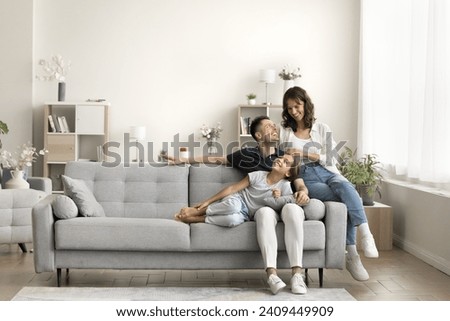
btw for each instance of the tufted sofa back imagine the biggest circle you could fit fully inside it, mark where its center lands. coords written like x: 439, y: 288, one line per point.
x: 205, y: 180
x: 15, y: 214
x: 154, y: 190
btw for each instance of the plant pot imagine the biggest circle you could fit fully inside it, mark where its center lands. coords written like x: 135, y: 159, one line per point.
x: 252, y: 101
x: 366, y: 194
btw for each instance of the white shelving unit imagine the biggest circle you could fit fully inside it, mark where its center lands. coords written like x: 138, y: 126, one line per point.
x: 246, y: 113
x: 87, y: 129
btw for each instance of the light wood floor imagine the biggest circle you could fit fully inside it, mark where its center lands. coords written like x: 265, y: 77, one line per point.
x: 396, y: 275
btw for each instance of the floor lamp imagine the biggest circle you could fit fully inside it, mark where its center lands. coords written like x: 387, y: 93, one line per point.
x: 137, y: 133
x: 267, y: 76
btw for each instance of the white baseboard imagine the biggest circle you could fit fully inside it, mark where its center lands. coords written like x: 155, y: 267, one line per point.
x: 426, y: 256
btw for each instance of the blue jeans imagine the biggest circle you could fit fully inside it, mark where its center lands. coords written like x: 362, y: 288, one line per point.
x: 328, y: 186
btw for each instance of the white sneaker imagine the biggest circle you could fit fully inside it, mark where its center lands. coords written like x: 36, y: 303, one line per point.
x: 298, y: 286
x: 275, y: 283
x: 369, y: 247
x: 355, y: 267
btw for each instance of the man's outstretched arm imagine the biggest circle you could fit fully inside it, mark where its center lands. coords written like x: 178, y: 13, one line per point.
x: 204, y: 159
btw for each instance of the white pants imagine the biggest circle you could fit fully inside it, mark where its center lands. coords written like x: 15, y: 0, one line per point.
x: 229, y: 212
x: 266, y: 221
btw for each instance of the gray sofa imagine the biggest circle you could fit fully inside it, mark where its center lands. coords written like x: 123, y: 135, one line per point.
x: 139, y: 232
x: 15, y: 211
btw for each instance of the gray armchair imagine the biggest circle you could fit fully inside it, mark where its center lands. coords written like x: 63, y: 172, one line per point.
x: 15, y: 211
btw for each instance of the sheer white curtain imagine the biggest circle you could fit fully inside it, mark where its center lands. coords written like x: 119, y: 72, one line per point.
x: 404, y: 106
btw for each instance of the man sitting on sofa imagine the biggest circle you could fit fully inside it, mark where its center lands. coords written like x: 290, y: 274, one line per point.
x: 258, y: 158
x: 250, y: 159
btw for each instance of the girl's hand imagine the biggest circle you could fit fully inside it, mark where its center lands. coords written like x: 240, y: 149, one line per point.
x: 276, y: 192
x: 301, y: 198
x: 201, y: 205
x: 294, y: 152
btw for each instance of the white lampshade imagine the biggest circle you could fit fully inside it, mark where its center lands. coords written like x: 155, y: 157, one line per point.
x: 267, y: 76
x: 137, y: 132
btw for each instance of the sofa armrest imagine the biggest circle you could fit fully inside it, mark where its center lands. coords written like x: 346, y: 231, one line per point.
x: 41, y: 184
x: 43, y: 235
x: 336, y: 229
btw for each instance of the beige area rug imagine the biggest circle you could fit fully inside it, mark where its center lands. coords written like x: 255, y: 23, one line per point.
x: 175, y: 294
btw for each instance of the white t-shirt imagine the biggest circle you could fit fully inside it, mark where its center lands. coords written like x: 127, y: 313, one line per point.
x: 322, y: 142
x: 255, y: 194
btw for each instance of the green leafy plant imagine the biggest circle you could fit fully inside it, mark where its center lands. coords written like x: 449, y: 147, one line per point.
x: 251, y: 96
x: 362, y: 172
x: 3, y: 130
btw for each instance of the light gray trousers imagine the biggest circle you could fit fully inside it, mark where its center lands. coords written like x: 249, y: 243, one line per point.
x: 293, y: 217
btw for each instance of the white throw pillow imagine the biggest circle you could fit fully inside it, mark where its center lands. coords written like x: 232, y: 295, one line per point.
x: 64, y: 207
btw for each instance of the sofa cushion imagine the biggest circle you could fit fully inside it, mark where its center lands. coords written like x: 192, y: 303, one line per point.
x: 64, y: 207
x: 77, y: 190
x: 208, y: 237
x: 121, y: 234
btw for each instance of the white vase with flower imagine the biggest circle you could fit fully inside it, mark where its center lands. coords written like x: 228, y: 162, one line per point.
x: 289, y: 76
x: 211, y: 134
x: 17, y: 180
x: 19, y: 162
x: 56, y: 69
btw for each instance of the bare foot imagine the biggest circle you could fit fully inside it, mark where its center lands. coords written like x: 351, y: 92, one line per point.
x: 193, y: 219
x: 189, y: 212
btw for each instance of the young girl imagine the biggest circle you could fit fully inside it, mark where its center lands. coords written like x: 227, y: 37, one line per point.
x: 238, y: 203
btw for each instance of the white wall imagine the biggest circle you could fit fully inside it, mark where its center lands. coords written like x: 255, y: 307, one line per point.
x: 421, y: 223
x: 174, y: 65
x: 16, y: 38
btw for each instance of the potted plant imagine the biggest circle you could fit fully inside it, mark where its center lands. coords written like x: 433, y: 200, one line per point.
x: 3, y: 130
x: 363, y: 172
x: 251, y: 98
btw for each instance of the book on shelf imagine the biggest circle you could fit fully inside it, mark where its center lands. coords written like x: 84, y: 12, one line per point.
x: 245, y: 125
x: 63, y: 124
x: 51, y: 124
x: 56, y: 122
x: 100, y: 154
x: 66, y: 125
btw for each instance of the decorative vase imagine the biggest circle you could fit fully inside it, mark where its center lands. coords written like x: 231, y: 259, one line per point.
x: 17, y: 180
x: 288, y: 84
x: 6, y: 175
x: 212, y: 148
x: 61, y: 91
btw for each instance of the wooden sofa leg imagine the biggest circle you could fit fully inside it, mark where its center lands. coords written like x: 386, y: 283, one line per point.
x: 321, y: 277
x: 23, y: 247
x: 58, y: 277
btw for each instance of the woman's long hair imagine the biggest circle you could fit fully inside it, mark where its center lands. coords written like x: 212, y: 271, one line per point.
x: 298, y: 94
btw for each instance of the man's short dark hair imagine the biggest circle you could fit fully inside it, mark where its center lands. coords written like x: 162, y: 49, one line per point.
x: 255, y: 124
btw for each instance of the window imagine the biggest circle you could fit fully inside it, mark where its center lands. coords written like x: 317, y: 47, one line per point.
x: 404, y: 87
